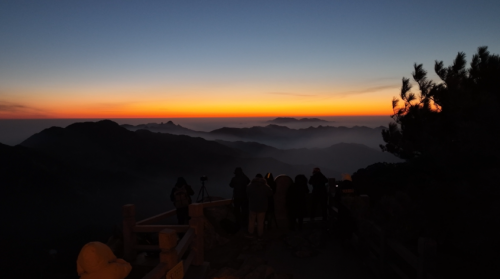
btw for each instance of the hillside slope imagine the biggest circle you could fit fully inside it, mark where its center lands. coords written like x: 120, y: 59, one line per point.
x: 343, y: 157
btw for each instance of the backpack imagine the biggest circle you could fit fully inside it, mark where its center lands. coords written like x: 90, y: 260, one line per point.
x: 181, y: 197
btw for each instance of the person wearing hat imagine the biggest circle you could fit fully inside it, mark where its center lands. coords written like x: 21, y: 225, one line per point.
x: 319, y: 193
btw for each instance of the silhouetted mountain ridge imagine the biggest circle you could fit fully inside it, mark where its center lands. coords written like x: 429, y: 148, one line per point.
x: 104, y: 145
x: 313, y: 137
x: 168, y: 127
x: 279, y: 136
x: 285, y: 120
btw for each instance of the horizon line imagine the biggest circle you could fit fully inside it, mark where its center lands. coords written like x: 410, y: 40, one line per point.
x: 177, y: 117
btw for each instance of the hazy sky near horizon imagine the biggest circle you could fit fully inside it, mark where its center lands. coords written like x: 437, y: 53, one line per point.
x: 112, y: 59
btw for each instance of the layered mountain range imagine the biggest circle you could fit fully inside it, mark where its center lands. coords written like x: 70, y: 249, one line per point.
x: 287, y: 120
x: 277, y: 136
x: 106, y: 147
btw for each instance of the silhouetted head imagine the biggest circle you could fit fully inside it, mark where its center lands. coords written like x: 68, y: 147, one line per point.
x: 181, y: 181
x: 301, y: 179
x: 238, y: 171
x: 316, y: 170
x: 346, y: 176
x: 259, y: 175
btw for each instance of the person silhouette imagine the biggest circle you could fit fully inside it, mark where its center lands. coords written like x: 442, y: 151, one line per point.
x: 181, y: 197
x: 270, y: 216
x: 319, y: 193
x: 258, y: 193
x: 296, y: 201
x: 239, y: 184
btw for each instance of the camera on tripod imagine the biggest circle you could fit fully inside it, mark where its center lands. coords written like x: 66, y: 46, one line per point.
x: 203, y: 190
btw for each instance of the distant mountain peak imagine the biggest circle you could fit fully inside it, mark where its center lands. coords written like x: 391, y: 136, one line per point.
x: 277, y: 127
x: 163, y: 127
x: 283, y: 120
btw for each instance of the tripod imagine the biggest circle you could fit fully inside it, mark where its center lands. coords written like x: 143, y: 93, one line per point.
x: 202, y: 192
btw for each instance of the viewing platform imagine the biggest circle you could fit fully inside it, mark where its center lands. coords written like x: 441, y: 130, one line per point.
x: 317, y: 251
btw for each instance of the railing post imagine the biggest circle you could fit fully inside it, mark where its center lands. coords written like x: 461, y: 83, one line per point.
x: 196, y: 222
x: 168, y: 242
x: 426, y: 256
x: 129, y: 237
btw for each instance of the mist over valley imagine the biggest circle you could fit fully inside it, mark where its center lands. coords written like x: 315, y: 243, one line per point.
x: 278, y: 136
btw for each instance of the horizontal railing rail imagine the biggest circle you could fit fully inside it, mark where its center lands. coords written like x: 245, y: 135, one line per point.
x: 158, y: 228
x: 216, y: 203
x: 159, y: 217
x: 189, y: 249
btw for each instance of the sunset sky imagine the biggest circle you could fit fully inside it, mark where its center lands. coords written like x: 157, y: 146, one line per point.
x: 232, y: 58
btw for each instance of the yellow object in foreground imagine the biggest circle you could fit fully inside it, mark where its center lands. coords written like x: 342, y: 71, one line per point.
x: 97, y: 261
x: 177, y: 272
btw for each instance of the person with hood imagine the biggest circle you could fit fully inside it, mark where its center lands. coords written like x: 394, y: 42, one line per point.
x: 319, y: 193
x: 258, y: 193
x: 239, y: 184
x: 97, y: 261
x: 181, y: 197
x: 296, y: 197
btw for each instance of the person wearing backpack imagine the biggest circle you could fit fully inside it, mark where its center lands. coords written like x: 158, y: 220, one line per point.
x: 181, y: 197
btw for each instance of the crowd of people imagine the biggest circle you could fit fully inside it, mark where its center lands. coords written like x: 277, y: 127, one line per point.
x: 254, y: 201
x: 255, y: 204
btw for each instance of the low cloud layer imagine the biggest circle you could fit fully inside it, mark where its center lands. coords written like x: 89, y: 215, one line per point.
x: 9, y: 107
x: 369, y: 89
x: 291, y: 94
x: 15, y: 110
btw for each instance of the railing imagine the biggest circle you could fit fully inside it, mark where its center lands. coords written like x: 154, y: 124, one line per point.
x: 171, y: 250
x: 371, y: 238
x: 387, y: 253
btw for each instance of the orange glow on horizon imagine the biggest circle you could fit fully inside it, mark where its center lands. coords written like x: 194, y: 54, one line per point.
x: 138, y: 114
x: 100, y: 104
x: 209, y: 112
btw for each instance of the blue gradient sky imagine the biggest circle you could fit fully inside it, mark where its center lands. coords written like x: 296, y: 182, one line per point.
x: 203, y: 58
